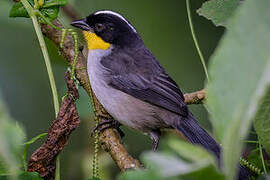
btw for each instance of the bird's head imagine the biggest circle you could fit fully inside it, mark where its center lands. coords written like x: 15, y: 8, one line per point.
x: 105, y: 28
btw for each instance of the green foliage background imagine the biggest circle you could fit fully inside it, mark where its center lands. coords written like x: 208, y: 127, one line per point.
x: 25, y: 87
x: 238, y: 90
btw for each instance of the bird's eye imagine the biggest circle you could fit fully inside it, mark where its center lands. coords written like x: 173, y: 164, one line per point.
x: 99, y: 27
x: 111, y: 28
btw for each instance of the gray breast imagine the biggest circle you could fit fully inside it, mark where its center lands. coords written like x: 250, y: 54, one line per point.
x: 124, y: 108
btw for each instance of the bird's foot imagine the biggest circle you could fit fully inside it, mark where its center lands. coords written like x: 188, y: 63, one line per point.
x: 155, y: 135
x: 106, y: 123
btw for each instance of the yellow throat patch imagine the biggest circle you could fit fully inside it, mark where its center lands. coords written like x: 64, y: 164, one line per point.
x: 94, y: 41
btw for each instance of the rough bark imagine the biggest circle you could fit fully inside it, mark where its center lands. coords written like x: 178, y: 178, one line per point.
x: 195, y: 97
x: 43, y: 160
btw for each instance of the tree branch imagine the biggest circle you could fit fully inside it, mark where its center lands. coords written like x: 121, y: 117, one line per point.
x: 43, y: 160
x: 195, y: 98
x: 110, y: 140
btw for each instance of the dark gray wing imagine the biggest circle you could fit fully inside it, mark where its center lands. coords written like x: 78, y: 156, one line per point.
x: 141, y: 76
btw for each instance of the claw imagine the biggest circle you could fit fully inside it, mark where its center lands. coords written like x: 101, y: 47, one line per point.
x: 108, y: 123
x: 155, y: 135
x: 99, y: 125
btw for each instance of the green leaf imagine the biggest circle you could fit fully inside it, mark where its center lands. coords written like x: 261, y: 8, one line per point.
x: 209, y: 172
x: 240, y: 74
x: 262, y: 122
x: 50, y: 13
x: 50, y: 3
x: 50, y: 9
x: 3, y: 169
x: 29, y: 176
x: 18, y: 10
x: 191, y: 152
x: 11, y: 139
x: 139, y: 174
x: 23, y: 176
x: 170, y: 166
x: 93, y: 178
x: 218, y: 11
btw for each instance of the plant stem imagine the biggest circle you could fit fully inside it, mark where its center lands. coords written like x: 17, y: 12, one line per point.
x: 48, y: 64
x: 44, y: 50
x: 45, y: 53
x: 51, y: 79
x: 57, y: 169
x: 195, y: 39
x: 255, y: 142
x: 96, y: 136
x: 261, y: 154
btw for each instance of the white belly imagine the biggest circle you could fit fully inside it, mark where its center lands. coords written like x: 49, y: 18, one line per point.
x: 124, y: 108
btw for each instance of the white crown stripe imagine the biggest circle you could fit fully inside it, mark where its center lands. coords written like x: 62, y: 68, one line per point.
x: 116, y: 14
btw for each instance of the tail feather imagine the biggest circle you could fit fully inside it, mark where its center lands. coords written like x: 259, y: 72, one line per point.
x: 197, y: 135
x: 190, y: 128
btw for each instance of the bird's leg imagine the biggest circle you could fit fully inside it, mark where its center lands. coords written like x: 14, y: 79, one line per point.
x: 106, y: 123
x: 155, y: 136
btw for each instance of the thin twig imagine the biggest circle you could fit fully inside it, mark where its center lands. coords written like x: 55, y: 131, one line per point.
x: 195, y: 97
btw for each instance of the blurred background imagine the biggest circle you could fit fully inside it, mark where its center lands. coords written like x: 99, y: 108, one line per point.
x: 25, y: 86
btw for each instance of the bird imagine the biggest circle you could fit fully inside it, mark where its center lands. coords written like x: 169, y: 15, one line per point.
x: 132, y: 85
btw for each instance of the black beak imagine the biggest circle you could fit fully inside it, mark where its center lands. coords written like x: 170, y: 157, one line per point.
x: 81, y: 23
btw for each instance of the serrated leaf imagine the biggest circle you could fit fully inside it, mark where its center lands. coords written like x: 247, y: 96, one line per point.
x: 240, y: 74
x: 218, y: 11
x: 262, y: 122
x: 18, y: 10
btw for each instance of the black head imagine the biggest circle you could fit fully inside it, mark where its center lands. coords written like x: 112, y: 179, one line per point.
x: 111, y: 27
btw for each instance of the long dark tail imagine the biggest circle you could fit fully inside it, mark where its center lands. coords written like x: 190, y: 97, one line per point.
x: 190, y: 128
